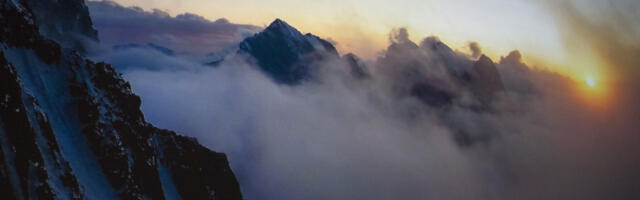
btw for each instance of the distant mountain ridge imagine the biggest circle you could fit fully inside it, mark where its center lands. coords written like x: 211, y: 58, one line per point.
x: 155, y: 47
x: 290, y: 57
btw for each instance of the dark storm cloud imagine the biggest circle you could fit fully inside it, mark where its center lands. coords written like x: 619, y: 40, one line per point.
x: 184, y: 33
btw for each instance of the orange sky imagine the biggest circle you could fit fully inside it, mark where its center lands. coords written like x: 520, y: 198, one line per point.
x: 499, y: 26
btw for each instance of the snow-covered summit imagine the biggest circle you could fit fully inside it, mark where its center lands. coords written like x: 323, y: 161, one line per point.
x: 286, y: 54
x: 281, y: 27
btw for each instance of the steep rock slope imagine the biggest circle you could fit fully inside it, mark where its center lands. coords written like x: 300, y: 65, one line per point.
x: 286, y: 54
x: 72, y: 129
x: 64, y: 21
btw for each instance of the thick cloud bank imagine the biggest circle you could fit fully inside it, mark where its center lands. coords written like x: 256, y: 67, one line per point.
x: 380, y: 137
x: 184, y: 33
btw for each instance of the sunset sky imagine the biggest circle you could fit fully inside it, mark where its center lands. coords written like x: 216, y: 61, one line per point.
x: 561, y: 122
x: 535, y: 27
x: 320, y: 99
x: 498, y: 25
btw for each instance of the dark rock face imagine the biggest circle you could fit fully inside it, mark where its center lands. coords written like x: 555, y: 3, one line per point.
x: 431, y: 95
x: 72, y: 129
x: 357, y: 68
x: 286, y: 54
x: 26, y: 139
x: 65, y: 21
x: 196, y: 179
x: 440, y: 53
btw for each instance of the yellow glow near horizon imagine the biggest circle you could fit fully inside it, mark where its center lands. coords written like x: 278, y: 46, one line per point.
x: 594, y: 89
x: 499, y: 26
x: 591, y: 82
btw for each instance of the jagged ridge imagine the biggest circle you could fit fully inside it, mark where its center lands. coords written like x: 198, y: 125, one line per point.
x: 72, y: 129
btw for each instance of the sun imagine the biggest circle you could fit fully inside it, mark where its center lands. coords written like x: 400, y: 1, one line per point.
x: 591, y: 82
x: 594, y: 91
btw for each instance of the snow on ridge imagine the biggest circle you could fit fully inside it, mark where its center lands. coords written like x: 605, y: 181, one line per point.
x: 47, y: 82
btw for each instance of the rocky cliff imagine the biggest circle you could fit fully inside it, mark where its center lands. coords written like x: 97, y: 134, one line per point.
x: 71, y: 128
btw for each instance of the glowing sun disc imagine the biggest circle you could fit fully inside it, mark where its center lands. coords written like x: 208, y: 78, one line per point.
x: 591, y: 82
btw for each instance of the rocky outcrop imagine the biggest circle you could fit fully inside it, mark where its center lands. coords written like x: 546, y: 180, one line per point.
x: 65, y: 21
x: 71, y: 128
x: 357, y: 68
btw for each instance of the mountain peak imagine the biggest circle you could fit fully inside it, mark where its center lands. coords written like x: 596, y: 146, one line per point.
x: 484, y: 59
x: 283, y: 27
x: 278, y: 22
x: 434, y: 43
x: 285, y: 53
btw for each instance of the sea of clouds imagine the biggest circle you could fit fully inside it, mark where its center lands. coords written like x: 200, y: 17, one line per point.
x: 344, y: 137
